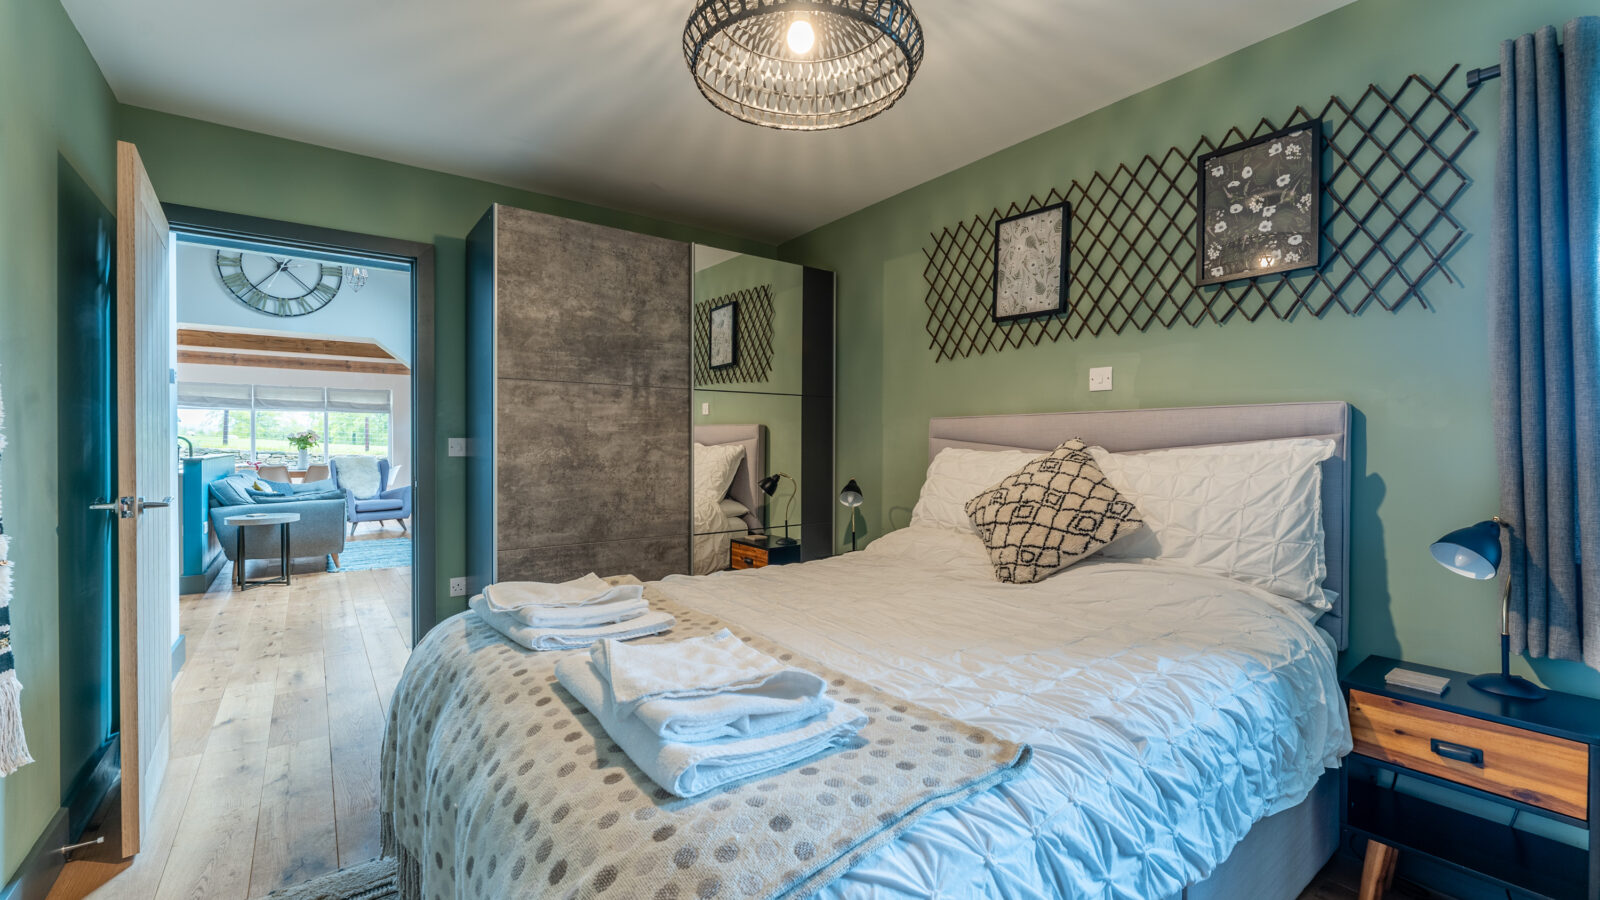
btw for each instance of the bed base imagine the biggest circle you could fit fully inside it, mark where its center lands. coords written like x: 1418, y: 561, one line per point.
x: 1281, y: 854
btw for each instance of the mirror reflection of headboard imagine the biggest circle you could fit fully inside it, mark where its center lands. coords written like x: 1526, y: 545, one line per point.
x: 746, y: 487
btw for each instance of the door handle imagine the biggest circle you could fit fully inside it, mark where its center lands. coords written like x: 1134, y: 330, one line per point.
x: 122, y: 506
x: 154, y: 504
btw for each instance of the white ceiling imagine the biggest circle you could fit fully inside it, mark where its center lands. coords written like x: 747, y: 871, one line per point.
x: 591, y: 100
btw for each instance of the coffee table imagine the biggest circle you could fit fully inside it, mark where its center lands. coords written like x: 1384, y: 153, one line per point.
x: 251, y: 520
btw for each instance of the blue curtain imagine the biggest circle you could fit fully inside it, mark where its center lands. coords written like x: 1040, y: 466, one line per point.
x: 1544, y: 307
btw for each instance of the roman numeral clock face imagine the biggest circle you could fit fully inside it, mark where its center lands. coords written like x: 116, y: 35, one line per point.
x: 279, y: 285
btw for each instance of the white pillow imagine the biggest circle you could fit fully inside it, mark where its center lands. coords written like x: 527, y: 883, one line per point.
x: 1252, y: 512
x: 732, y: 508
x: 714, y: 468
x: 956, y: 476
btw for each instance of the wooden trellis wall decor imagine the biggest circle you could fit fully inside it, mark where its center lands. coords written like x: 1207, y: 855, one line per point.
x: 753, y: 361
x: 1391, y: 180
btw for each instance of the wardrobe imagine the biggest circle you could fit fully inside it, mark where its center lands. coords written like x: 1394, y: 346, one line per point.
x: 580, y: 386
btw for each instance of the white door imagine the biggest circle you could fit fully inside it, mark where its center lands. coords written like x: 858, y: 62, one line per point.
x: 147, y: 463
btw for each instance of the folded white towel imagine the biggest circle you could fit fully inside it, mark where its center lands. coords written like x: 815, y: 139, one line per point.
x: 581, y: 616
x: 697, y: 667
x: 653, y: 622
x: 688, y: 770
x: 585, y: 591
x: 779, y: 705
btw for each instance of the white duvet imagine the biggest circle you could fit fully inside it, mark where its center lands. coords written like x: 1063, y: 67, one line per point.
x: 1168, y: 709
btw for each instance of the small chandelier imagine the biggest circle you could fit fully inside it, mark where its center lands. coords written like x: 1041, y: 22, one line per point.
x: 803, y: 65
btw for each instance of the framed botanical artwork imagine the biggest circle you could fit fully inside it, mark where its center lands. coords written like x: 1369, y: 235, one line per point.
x: 1260, y: 205
x: 1030, y: 263
x: 724, y: 349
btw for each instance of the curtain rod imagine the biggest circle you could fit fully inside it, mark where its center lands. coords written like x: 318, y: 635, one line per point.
x: 1476, y: 77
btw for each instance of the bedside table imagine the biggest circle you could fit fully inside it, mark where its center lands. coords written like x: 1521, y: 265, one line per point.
x: 1539, y: 758
x: 752, y: 551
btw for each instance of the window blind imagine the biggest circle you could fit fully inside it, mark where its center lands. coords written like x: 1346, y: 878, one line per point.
x: 358, y: 400
x: 204, y: 395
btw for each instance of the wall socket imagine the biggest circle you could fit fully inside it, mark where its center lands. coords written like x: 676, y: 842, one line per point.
x: 1100, y: 378
x: 458, y: 587
x: 705, y: 409
x: 457, y: 446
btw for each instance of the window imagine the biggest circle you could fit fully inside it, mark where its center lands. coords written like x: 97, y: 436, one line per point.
x: 253, y: 422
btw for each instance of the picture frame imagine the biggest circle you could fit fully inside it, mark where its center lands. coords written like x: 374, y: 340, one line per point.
x: 722, y: 349
x: 1259, y: 206
x: 1031, y: 255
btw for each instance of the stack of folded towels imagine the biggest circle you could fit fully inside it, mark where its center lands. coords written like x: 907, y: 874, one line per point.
x: 570, y: 615
x: 700, y: 714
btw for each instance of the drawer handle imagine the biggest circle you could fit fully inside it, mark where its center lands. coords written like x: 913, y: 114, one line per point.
x: 1458, y: 752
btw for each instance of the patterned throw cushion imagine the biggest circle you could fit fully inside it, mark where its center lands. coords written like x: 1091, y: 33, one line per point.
x: 1051, y: 513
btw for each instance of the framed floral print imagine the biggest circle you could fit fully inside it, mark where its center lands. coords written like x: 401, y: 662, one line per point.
x: 724, y: 349
x: 1260, y: 205
x: 1030, y: 263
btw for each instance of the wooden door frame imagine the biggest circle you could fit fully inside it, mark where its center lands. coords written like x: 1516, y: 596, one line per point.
x: 212, y: 223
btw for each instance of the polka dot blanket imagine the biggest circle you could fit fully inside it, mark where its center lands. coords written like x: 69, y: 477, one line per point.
x: 498, y: 783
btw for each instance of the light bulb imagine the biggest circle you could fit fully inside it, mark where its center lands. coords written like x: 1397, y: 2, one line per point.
x: 801, y: 37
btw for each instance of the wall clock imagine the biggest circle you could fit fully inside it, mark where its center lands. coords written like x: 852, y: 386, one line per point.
x: 279, y: 285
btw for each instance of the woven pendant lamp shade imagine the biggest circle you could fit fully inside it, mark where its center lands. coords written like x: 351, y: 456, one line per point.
x: 864, y: 56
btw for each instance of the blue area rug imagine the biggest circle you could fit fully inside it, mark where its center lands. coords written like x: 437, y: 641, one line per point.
x: 391, y: 553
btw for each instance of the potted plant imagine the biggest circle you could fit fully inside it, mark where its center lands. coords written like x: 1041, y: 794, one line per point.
x: 304, y: 441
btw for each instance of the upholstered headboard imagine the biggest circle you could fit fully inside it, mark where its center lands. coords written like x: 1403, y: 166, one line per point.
x: 746, y: 487
x: 1122, y: 431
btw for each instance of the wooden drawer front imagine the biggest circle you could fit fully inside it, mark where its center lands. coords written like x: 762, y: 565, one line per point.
x: 1536, y: 769
x: 747, y: 557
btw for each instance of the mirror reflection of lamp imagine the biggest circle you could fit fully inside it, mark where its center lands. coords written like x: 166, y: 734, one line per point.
x: 769, y: 486
x: 1269, y: 258
x: 852, y: 498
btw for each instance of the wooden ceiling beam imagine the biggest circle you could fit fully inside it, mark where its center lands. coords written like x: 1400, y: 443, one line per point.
x: 365, y: 367
x: 280, y: 343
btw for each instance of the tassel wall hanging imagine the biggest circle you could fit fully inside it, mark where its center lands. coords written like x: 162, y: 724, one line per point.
x: 13, y: 746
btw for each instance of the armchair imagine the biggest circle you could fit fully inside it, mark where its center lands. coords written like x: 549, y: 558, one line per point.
x: 394, y: 503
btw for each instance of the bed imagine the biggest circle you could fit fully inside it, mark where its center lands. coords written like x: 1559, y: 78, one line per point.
x: 1183, y: 725
x: 714, y: 530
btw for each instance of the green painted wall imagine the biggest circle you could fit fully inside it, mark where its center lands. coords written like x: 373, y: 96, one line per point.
x: 53, y: 106
x: 200, y: 164
x: 1424, y: 461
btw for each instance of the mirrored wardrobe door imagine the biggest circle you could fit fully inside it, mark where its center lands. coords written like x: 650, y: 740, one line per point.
x: 762, y: 356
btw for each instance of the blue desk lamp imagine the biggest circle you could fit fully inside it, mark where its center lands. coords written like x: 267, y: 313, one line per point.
x: 1474, y: 552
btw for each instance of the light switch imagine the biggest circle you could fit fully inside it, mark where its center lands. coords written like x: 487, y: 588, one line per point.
x: 458, y: 447
x: 1100, y: 378
x: 705, y: 409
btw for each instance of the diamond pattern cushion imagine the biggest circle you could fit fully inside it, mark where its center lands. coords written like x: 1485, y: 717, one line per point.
x: 1051, y: 513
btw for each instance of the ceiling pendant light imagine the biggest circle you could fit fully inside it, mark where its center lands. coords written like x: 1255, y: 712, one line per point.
x: 803, y: 65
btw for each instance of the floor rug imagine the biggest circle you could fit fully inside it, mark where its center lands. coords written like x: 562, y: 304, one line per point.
x: 371, y: 880
x: 390, y: 553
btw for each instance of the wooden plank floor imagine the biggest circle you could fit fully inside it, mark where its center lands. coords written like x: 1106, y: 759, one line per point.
x: 277, y: 719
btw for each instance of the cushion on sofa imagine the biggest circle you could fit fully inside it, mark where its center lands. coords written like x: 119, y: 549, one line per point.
x: 231, y: 491
x: 379, y: 504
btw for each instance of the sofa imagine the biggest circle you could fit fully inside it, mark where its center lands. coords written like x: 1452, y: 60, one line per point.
x: 320, y: 531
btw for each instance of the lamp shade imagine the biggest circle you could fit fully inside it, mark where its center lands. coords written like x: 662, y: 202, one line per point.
x: 851, y: 495
x: 1473, y: 551
x: 769, y: 485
